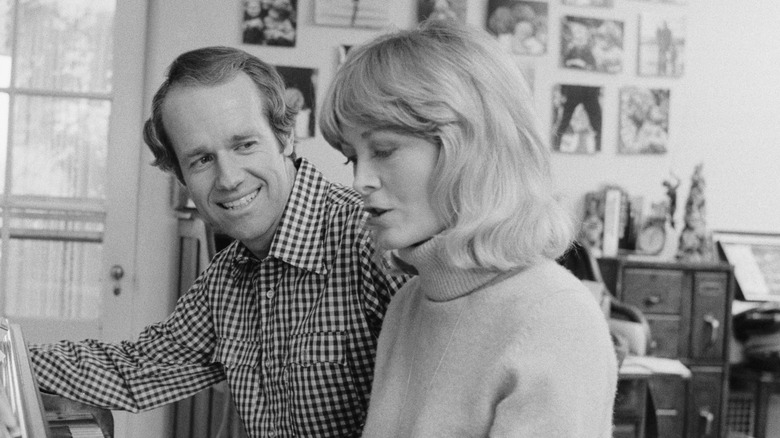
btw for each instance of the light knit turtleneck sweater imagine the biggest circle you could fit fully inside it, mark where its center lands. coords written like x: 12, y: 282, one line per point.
x: 473, y: 354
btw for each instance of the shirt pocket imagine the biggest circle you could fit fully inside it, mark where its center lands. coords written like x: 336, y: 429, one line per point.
x: 321, y: 386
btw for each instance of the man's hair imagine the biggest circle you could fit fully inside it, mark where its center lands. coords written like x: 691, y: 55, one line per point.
x: 211, y: 66
x: 451, y: 85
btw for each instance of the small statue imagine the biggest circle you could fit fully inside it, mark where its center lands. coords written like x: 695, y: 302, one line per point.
x: 671, y: 185
x: 695, y: 241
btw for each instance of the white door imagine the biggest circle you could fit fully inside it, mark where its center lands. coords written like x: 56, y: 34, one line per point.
x: 71, y: 114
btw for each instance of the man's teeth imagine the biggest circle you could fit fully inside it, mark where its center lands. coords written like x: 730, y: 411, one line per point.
x: 240, y: 202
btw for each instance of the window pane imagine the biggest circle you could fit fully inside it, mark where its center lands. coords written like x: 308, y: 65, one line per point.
x: 65, y: 45
x: 6, y: 39
x: 3, y: 138
x: 53, y: 279
x: 59, y: 147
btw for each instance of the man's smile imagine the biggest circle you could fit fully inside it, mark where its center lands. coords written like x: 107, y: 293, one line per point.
x: 241, y: 202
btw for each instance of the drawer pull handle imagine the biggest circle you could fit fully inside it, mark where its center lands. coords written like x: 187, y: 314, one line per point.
x: 714, y: 325
x: 652, y: 300
x: 708, y: 418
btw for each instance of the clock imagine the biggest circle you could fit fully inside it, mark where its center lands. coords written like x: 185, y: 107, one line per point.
x: 652, y: 237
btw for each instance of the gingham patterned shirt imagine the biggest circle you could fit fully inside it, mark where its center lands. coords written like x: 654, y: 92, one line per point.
x: 295, y: 334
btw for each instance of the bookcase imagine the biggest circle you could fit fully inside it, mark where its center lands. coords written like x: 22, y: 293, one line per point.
x: 688, y: 308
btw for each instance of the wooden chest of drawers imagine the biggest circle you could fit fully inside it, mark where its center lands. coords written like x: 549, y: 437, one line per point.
x: 688, y: 307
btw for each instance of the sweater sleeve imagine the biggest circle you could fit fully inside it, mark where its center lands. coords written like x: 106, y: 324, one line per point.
x: 561, y: 379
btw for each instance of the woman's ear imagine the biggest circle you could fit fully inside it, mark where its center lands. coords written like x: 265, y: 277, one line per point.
x: 289, y: 146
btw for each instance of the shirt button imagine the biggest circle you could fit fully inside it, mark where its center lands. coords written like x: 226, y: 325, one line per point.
x: 270, y: 294
x: 272, y: 434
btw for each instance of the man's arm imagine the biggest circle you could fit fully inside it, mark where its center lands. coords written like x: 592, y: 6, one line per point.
x: 170, y: 360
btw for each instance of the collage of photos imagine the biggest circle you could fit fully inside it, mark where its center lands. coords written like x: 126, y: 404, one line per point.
x: 596, y: 46
x: 590, y: 40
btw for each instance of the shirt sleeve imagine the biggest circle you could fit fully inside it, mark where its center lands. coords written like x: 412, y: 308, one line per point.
x: 171, y: 360
x: 378, y: 286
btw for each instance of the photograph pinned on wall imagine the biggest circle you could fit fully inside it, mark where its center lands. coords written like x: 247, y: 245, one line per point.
x: 519, y: 25
x: 270, y: 23
x: 301, y: 89
x: 644, y: 121
x: 596, y: 3
x: 372, y: 14
x: 441, y: 10
x: 576, y: 119
x: 592, y: 44
x: 661, y: 45
x: 667, y: 2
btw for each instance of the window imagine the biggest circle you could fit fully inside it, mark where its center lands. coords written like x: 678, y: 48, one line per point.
x: 55, y: 102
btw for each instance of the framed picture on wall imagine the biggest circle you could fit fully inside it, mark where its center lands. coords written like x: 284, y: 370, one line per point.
x: 301, y: 89
x: 592, y: 44
x: 661, y: 45
x: 270, y: 23
x: 576, y: 119
x: 598, y: 3
x: 644, y: 120
x: 519, y: 25
x: 352, y: 13
x: 441, y: 10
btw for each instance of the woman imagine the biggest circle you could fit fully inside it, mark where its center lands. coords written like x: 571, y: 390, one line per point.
x: 492, y: 338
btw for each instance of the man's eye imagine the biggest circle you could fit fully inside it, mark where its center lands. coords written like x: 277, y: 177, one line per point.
x: 201, y: 161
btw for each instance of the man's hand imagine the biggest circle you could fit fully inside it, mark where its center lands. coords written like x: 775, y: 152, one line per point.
x: 10, y: 426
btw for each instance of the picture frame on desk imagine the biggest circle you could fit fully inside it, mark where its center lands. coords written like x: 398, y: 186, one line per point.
x: 756, y: 261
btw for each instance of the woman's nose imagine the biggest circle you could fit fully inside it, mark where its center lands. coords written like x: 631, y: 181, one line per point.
x: 365, y: 180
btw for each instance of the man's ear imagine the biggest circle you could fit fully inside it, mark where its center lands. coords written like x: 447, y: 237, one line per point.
x: 289, y: 146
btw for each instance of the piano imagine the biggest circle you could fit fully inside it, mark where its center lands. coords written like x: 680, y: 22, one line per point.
x: 42, y: 415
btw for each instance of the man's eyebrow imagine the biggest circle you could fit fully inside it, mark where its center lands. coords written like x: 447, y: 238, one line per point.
x: 200, y: 150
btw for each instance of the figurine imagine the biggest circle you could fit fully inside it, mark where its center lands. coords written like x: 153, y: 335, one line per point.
x: 695, y: 240
x: 671, y: 185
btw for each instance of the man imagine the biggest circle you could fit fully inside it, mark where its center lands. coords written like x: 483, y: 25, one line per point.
x: 289, y: 313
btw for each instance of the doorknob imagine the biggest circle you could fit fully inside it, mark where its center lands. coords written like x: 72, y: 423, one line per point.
x: 117, y: 273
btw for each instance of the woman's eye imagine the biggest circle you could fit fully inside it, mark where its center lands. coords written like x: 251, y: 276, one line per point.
x: 246, y: 145
x: 383, y: 153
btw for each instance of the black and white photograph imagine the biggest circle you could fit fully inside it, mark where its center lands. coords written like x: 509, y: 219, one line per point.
x: 596, y: 3
x: 270, y: 23
x: 644, y: 120
x: 300, y: 93
x: 577, y: 119
x: 520, y: 26
x: 370, y: 14
x: 592, y: 44
x: 441, y: 10
x: 661, y: 45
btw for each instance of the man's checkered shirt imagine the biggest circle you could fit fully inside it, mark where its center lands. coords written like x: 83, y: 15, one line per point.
x: 295, y: 334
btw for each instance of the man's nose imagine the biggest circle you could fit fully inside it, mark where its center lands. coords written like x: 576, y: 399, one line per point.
x: 230, y: 173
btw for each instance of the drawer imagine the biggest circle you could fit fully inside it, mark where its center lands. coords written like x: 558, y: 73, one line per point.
x: 704, y: 410
x: 708, y: 332
x: 653, y: 290
x: 669, y: 394
x: 665, y: 334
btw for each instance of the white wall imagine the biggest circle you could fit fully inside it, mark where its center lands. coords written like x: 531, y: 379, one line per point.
x: 722, y: 112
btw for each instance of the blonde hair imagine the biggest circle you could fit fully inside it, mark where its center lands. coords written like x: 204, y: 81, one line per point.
x: 453, y: 85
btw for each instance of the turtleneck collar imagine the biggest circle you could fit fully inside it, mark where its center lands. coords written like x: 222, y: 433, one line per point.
x: 438, y: 279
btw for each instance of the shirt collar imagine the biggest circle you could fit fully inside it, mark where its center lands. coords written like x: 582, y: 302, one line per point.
x: 299, y: 238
